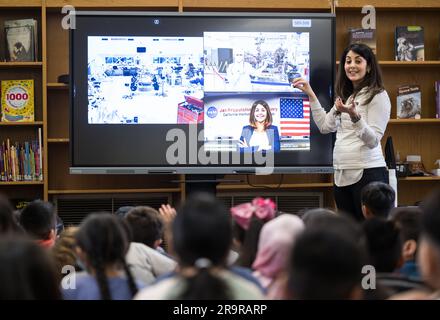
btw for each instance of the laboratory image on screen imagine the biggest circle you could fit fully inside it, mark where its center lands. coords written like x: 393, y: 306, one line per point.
x: 145, y: 80
x: 289, y: 129
x: 255, y: 61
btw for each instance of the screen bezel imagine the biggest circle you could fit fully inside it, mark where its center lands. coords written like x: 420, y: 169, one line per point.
x: 202, y: 169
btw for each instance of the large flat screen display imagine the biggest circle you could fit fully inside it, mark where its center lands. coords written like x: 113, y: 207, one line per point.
x: 199, y: 93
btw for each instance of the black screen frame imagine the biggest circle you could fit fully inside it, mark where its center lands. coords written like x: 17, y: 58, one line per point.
x: 300, y: 166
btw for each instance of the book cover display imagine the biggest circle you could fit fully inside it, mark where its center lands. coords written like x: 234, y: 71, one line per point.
x: 409, y: 101
x: 365, y: 36
x: 409, y: 43
x: 21, y: 40
x: 17, y: 100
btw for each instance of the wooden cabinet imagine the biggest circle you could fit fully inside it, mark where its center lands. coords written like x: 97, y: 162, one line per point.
x: 23, y: 131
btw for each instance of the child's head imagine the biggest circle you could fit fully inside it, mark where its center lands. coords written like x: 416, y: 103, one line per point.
x: 384, y: 244
x: 325, y: 263
x: 26, y: 271
x: 358, y: 59
x: 276, y: 240
x: 202, y: 229
x: 38, y: 219
x: 248, y: 219
x: 102, y: 244
x: 64, y: 250
x: 202, y: 238
x: 408, y: 220
x: 377, y: 200
x: 146, y: 225
x: 429, y: 251
x: 308, y: 216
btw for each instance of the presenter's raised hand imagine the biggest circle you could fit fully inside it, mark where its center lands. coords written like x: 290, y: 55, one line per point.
x: 303, y: 85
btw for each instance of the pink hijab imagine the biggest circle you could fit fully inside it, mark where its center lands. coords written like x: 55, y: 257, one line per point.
x: 276, y: 240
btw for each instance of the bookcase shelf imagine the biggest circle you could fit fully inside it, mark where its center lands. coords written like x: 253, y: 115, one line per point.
x: 7, y: 64
x: 21, y: 183
x: 276, y: 186
x: 104, y: 191
x: 15, y: 124
x: 415, y: 121
x: 58, y: 140
x: 409, y: 179
x: 57, y: 86
x: 389, y: 5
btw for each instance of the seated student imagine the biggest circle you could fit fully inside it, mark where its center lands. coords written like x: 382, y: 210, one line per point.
x: 26, y: 271
x: 38, y: 219
x: 384, y: 246
x: 101, y: 247
x: 377, y: 200
x: 145, y: 262
x: 326, y: 263
x: 408, y: 220
x: 122, y: 211
x: 248, y: 219
x: 202, y: 237
x: 63, y: 251
x: 276, y: 240
x: 429, y: 251
x: 309, y: 215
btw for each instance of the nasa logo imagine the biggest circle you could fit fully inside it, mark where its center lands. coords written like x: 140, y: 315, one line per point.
x: 212, y: 112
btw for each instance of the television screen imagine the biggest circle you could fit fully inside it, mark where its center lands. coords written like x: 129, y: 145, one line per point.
x: 199, y: 93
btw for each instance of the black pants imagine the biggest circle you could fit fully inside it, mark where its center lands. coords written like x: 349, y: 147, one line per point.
x: 348, y: 198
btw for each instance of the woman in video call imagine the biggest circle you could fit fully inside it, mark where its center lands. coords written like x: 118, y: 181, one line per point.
x: 359, y: 117
x: 260, y: 134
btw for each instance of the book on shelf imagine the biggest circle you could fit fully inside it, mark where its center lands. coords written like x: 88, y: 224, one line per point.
x: 21, y: 40
x: 409, y: 43
x: 17, y: 100
x: 20, y: 203
x: 437, y: 99
x: 21, y: 161
x: 409, y: 102
x: 365, y: 36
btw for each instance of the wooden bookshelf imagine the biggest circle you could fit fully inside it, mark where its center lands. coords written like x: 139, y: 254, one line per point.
x: 57, y: 86
x: 14, y: 65
x: 389, y: 5
x: 18, y: 124
x: 410, y: 179
x: 114, y: 191
x: 276, y: 186
x: 21, y: 183
x: 415, y: 121
x: 57, y: 140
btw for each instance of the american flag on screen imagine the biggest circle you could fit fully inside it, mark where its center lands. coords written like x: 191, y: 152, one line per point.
x: 294, y: 117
